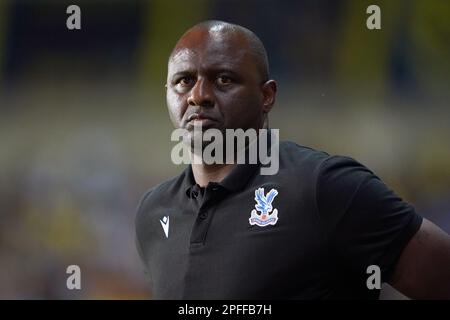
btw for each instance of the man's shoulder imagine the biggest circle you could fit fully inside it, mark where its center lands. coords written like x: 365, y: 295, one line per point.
x: 293, y: 155
x: 166, y: 189
x: 317, y: 166
x: 296, y: 155
x: 164, y: 186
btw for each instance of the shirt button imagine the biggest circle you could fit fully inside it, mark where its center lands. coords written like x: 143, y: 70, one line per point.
x: 194, y: 194
x: 203, y: 215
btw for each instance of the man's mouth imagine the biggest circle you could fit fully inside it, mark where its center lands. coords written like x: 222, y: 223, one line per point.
x: 200, y: 119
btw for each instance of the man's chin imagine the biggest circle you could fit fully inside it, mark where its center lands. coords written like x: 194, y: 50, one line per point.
x: 197, y: 143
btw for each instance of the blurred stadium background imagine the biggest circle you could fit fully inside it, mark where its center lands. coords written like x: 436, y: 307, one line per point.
x: 84, y: 129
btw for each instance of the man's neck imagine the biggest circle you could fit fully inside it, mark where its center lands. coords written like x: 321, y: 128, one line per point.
x: 204, y: 174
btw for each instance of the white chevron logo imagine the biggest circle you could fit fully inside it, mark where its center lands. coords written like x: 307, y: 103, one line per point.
x: 165, y: 225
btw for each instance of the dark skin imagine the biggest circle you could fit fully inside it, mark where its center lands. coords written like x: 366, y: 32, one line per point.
x: 215, y: 79
x: 423, y: 270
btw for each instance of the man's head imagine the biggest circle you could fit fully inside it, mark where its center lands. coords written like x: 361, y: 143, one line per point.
x: 218, y: 77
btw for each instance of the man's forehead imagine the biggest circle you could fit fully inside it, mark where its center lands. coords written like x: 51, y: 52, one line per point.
x: 201, y: 42
x: 183, y: 55
x: 199, y: 37
x: 210, y: 55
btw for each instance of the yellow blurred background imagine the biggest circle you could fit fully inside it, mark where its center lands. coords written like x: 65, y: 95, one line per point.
x: 84, y: 129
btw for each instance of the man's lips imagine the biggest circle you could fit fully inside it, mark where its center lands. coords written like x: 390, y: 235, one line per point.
x: 199, y: 116
x: 200, y: 119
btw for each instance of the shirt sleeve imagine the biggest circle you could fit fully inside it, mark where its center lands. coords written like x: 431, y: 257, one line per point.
x: 139, y: 231
x: 365, y: 222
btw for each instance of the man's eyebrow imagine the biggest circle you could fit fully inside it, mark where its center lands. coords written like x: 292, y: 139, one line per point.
x: 233, y: 73
x: 215, y: 70
x: 231, y: 70
x: 182, y: 73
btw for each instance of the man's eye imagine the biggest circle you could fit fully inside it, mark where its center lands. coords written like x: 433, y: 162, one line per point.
x: 185, y: 81
x: 224, y: 80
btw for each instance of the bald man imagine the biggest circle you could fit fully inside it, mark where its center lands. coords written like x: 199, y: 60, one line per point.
x: 314, y: 230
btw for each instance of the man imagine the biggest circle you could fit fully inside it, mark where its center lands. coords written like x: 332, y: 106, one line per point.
x: 330, y: 217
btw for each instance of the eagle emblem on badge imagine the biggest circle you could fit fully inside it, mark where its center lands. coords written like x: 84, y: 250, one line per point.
x: 264, y: 206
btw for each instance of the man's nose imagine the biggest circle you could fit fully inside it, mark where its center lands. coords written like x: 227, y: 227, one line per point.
x: 201, y: 94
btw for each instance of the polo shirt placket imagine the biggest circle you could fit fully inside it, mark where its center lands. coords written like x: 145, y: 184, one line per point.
x: 205, y: 203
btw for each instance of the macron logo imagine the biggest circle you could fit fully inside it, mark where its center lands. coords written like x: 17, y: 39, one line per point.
x: 165, y: 225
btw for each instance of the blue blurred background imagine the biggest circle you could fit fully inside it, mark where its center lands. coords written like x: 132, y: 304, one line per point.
x: 84, y: 129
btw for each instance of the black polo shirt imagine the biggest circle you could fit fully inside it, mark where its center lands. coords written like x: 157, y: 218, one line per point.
x: 334, y: 219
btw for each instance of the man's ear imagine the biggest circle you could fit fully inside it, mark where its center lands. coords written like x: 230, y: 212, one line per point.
x: 269, y: 90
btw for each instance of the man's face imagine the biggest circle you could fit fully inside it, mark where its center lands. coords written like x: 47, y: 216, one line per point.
x: 213, y: 80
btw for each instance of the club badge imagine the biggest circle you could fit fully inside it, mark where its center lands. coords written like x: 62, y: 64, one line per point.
x: 264, y: 206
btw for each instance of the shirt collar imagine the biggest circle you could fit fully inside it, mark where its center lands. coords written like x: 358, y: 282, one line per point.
x: 234, y: 181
